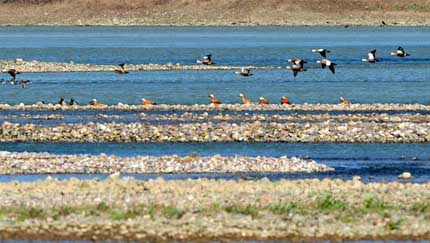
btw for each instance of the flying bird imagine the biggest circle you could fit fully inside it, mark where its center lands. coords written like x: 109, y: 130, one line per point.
x: 371, y: 57
x: 327, y: 63
x: 400, y: 52
x: 13, y: 73
x: 323, y: 52
x: 122, y: 70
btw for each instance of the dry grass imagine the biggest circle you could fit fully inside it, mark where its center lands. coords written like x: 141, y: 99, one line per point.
x: 218, y: 11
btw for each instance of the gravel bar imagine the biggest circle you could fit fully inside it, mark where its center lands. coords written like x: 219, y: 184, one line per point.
x: 325, y: 131
x: 45, y: 163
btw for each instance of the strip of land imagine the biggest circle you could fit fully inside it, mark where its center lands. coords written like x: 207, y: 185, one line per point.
x: 214, y: 210
x: 45, y: 163
x: 376, y: 107
x: 325, y: 131
x: 214, y: 12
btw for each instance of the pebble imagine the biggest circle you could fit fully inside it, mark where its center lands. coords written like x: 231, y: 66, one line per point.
x: 405, y: 175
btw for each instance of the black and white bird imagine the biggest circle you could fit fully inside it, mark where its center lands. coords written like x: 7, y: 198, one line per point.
x: 321, y: 51
x: 244, y: 72
x: 327, y: 63
x: 206, y: 60
x: 400, y: 52
x: 298, y: 66
x: 371, y: 57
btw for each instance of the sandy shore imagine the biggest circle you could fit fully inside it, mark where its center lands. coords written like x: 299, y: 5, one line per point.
x: 44, y: 163
x: 209, y: 210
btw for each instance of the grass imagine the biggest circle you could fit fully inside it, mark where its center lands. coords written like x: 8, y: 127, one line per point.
x: 245, y: 210
x: 328, y: 202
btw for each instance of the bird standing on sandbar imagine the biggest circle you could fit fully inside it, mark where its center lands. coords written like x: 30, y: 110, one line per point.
x: 263, y: 101
x: 245, y: 101
x: 122, y: 70
x: 214, y: 100
x: 146, y: 102
x: 206, y: 60
x: 285, y: 101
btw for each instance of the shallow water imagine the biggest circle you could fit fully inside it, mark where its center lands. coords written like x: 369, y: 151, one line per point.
x: 392, y: 80
x: 373, y: 162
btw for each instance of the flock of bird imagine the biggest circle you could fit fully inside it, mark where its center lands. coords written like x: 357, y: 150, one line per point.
x: 296, y: 67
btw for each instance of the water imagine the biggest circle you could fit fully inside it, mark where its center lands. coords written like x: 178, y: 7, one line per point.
x: 392, y: 80
x: 373, y: 162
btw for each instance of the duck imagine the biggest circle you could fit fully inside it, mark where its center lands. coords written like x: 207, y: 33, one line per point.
x: 245, y: 101
x: 206, y: 60
x: 146, y: 102
x: 24, y: 83
x: 285, y: 101
x: 344, y: 101
x: 326, y: 62
x: 214, y: 100
x: 371, y: 57
x: 400, y: 52
x: 122, y: 70
x: 245, y: 72
x: 321, y: 51
x: 62, y: 102
x: 263, y: 101
x: 297, y: 62
x: 95, y: 103
x: 73, y: 102
x: 13, y: 73
x: 296, y: 69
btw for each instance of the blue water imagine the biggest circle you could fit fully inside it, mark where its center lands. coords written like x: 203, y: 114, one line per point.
x: 392, y: 80
x: 373, y: 162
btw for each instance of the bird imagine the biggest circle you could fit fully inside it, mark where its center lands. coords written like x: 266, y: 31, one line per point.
x: 244, y: 72
x: 285, y: 101
x: 13, y: 73
x: 321, y: 51
x: 344, y: 101
x: 299, y: 62
x: 95, y: 103
x: 146, y: 102
x: 245, y: 101
x: 214, y: 100
x: 62, y: 102
x: 326, y: 62
x: 296, y: 69
x: 206, y: 60
x: 24, y: 83
x: 400, y: 52
x: 73, y: 102
x: 122, y: 70
x: 371, y: 57
x: 263, y: 101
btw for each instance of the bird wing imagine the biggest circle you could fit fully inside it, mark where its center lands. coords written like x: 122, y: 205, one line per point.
x: 323, y: 65
x: 323, y: 53
x: 331, y: 67
x: 295, y: 72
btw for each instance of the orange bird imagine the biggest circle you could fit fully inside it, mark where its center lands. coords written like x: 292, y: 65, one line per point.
x: 245, y: 101
x: 13, y: 73
x: 263, y: 101
x: 214, y: 100
x: 97, y: 104
x: 344, y: 101
x: 285, y: 101
x: 146, y: 102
